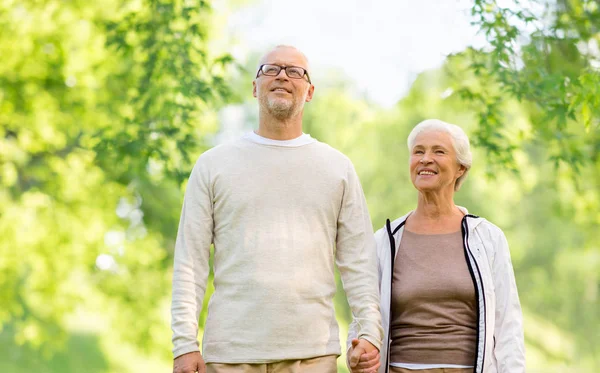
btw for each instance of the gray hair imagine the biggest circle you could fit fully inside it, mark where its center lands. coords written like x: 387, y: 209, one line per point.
x: 460, y: 142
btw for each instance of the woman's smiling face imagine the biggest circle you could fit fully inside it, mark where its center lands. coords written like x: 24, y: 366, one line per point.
x: 433, y: 162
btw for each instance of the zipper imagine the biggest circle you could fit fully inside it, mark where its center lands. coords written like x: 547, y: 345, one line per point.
x: 392, y: 259
x: 468, y: 252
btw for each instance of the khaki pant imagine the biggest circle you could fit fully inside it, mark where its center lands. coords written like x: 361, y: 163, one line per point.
x: 435, y: 370
x: 322, y: 364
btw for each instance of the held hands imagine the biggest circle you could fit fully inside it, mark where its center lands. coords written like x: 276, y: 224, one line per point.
x: 189, y: 363
x: 363, y: 357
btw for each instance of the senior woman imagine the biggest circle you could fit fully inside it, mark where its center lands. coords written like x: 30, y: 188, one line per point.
x: 449, y: 301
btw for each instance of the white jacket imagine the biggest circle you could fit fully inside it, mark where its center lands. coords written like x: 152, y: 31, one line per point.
x: 500, y: 341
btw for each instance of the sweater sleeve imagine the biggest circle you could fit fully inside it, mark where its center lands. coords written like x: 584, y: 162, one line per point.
x: 352, y: 328
x: 192, y: 252
x: 357, y: 262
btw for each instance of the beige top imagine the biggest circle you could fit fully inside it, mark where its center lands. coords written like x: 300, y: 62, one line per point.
x: 280, y: 214
x: 434, y: 308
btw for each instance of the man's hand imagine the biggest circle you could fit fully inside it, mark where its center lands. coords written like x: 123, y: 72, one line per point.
x: 189, y: 363
x: 363, y: 357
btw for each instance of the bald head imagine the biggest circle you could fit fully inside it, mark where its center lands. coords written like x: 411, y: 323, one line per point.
x: 282, y: 53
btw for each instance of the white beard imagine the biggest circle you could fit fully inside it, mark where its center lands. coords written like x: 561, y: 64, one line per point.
x: 281, y: 108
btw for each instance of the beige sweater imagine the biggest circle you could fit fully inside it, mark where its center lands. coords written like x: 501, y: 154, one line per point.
x: 275, y: 215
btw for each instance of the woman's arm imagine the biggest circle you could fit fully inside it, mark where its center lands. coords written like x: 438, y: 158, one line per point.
x: 509, y: 347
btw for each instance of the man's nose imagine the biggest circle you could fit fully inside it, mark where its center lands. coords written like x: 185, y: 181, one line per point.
x: 282, y: 75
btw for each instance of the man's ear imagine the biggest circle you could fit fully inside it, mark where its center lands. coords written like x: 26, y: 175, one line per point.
x: 311, y: 91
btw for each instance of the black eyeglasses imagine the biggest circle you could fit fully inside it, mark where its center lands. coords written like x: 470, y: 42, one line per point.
x: 293, y: 72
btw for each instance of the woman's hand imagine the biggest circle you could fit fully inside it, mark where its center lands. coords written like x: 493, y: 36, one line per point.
x: 363, y: 357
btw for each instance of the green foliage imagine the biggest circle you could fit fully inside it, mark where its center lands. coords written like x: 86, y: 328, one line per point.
x: 170, y: 81
x: 104, y: 106
x: 553, y: 69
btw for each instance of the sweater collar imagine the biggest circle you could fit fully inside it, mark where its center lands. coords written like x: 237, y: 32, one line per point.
x: 303, y: 139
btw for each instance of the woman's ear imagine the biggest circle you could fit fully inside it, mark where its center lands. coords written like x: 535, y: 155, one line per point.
x: 461, y: 170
